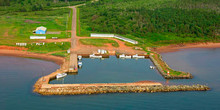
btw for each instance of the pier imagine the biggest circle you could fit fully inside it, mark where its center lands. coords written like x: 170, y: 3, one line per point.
x: 73, y: 64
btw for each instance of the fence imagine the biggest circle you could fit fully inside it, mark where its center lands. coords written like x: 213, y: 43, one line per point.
x: 114, y: 36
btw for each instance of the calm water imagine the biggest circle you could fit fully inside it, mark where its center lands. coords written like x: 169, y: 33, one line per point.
x: 112, y: 70
x: 19, y: 74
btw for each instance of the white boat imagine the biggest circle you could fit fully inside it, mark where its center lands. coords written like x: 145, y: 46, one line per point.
x: 61, y: 75
x: 124, y: 56
x: 80, y: 64
x: 102, y: 51
x: 136, y: 56
x: 95, y: 56
x: 79, y: 57
x: 152, y: 67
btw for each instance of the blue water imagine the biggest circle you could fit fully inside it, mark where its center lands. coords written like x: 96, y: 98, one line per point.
x: 112, y: 70
x: 18, y: 75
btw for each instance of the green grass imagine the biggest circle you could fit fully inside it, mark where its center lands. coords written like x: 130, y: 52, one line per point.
x: 61, y: 54
x: 59, y: 36
x: 15, y: 28
x: 82, y: 29
x: 70, y: 17
x: 48, y: 47
x: 129, y: 44
x: 98, y: 42
x: 77, y: 22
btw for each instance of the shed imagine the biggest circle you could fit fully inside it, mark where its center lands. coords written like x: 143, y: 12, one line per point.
x: 41, y: 30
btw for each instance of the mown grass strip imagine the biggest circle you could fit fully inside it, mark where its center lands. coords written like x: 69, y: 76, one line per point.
x: 99, y: 42
x: 48, y: 47
x: 61, y: 54
x: 77, y: 22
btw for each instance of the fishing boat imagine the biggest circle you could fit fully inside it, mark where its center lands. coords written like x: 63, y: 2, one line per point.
x: 79, y: 57
x: 95, y: 56
x: 124, y: 56
x: 152, y: 67
x: 61, y: 75
x: 80, y: 64
x: 136, y: 56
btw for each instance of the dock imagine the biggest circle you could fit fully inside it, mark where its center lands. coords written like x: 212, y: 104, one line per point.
x: 73, y: 64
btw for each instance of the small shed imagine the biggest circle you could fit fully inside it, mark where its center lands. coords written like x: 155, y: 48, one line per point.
x: 41, y: 30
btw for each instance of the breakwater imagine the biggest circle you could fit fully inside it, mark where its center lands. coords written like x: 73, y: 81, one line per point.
x: 163, y: 71
x: 77, y: 90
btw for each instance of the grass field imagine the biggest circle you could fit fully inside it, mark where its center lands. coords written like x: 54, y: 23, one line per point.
x: 61, y: 54
x: 99, y: 42
x: 48, y: 47
x: 18, y: 26
x: 59, y: 36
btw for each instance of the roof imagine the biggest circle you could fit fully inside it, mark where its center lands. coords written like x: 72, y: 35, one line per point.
x: 41, y: 28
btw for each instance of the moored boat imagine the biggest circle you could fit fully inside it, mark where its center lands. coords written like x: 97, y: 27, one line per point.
x: 124, y: 56
x: 79, y: 57
x: 95, y: 56
x: 80, y: 64
x: 152, y: 67
x: 137, y: 56
x: 61, y: 75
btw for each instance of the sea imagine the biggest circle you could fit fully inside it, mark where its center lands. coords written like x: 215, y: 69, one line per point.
x: 18, y: 75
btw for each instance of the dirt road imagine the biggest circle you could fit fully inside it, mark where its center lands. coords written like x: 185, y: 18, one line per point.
x: 73, y: 35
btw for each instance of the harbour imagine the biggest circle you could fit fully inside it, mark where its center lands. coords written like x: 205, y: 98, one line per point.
x: 187, y: 59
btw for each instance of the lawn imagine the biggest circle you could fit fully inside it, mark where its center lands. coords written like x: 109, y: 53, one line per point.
x: 18, y: 26
x: 62, y: 35
x: 99, y: 42
x: 61, y: 54
x: 48, y: 47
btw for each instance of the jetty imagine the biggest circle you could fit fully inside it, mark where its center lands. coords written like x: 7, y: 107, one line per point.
x: 73, y: 63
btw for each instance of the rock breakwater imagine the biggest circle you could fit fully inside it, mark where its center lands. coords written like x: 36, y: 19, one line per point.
x: 119, y: 89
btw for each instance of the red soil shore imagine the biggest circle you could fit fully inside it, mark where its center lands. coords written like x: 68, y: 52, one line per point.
x: 19, y: 53
x: 173, y: 48
x: 12, y: 48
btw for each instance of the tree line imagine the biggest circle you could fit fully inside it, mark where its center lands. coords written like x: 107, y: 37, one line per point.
x: 36, y: 5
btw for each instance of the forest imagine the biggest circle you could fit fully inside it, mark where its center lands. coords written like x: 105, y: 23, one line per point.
x: 35, y: 5
x: 154, y: 22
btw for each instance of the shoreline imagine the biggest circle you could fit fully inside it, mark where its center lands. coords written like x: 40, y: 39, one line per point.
x: 178, y: 47
x: 43, y: 87
x: 18, y: 53
x: 21, y: 52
